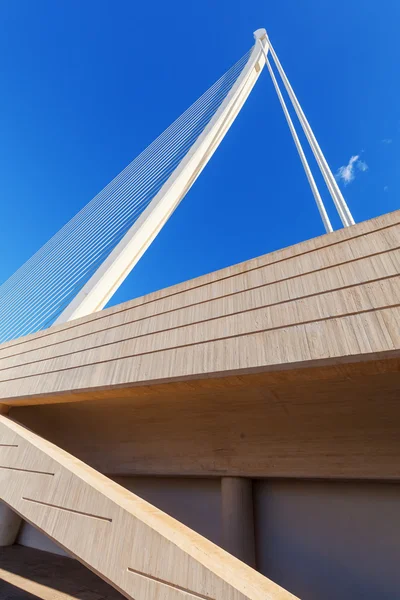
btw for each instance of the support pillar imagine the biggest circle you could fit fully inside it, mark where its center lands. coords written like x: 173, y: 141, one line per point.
x: 10, y: 522
x: 237, y: 518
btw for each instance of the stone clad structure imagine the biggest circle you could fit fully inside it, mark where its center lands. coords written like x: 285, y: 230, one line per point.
x: 256, y: 407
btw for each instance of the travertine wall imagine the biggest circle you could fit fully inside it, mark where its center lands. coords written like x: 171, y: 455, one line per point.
x: 330, y: 299
x: 333, y: 422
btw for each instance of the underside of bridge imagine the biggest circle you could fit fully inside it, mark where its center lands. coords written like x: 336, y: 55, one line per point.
x: 251, y: 413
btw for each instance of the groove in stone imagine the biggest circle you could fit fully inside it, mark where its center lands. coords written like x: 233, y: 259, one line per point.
x: 171, y: 585
x: 192, y: 323
x: 26, y: 470
x: 208, y: 341
x: 71, y: 510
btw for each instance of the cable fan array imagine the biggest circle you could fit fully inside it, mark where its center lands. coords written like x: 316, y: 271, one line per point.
x: 37, y: 293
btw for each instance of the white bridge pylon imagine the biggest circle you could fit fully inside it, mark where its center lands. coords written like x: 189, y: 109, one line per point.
x: 103, y: 284
x: 79, y: 269
x: 109, y: 276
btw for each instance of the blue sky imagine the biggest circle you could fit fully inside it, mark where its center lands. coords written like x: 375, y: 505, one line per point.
x: 85, y: 86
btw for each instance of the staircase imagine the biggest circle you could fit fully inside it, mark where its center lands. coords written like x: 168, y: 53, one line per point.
x: 138, y: 549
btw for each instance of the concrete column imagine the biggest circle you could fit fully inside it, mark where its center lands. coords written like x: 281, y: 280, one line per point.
x: 237, y: 518
x: 10, y: 522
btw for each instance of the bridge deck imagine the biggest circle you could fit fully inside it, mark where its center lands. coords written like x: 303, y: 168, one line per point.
x: 327, y: 301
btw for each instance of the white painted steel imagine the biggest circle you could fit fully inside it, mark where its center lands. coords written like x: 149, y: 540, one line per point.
x: 337, y: 196
x: 311, y: 180
x: 112, y: 272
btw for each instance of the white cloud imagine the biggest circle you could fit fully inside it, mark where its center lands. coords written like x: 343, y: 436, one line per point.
x: 346, y: 173
x: 362, y: 165
x: 387, y: 141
